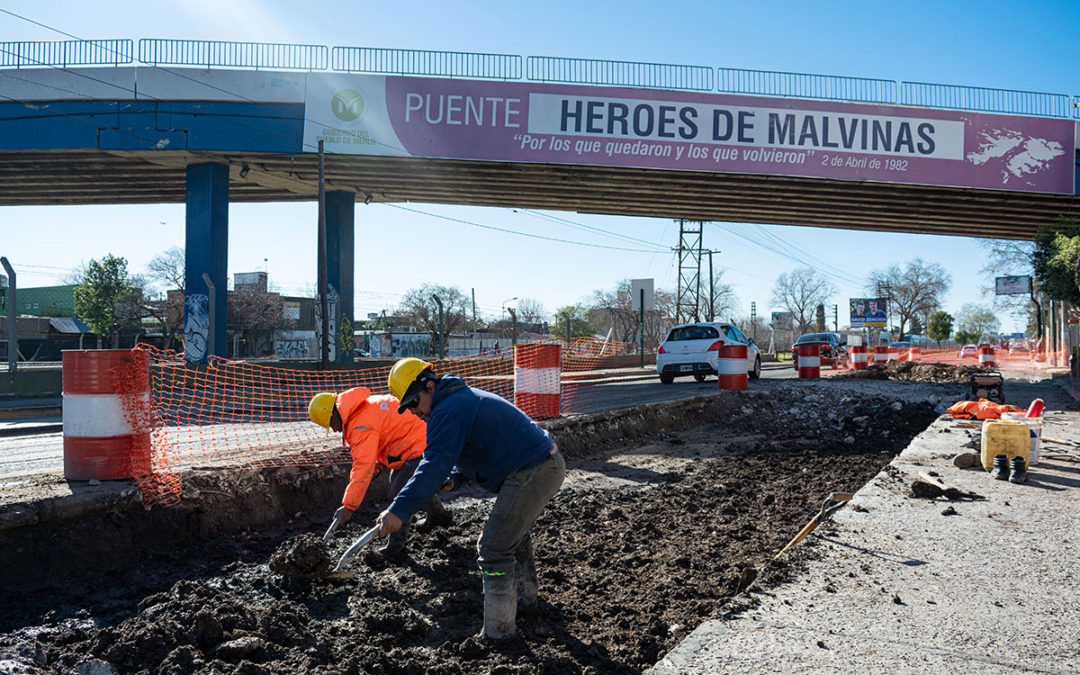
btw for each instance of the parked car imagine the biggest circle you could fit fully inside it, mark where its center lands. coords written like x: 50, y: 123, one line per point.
x: 969, y: 352
x: 691, y: 349
x: 1018, y: 348
x: 833, y: 350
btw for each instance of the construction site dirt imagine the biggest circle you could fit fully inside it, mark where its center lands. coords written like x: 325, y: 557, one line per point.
x: 667, y: 513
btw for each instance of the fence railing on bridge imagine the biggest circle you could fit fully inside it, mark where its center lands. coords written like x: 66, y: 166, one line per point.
x: 1039, y: 104
x: 618, y: 73
x: 211, y: 53
x: 804, y: 85
x: 423, y: 62
x: 283, y: 56
x: 63, y: 53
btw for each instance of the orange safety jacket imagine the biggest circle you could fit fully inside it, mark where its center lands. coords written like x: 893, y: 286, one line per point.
x: 982, y: 409
x: 377, y: 435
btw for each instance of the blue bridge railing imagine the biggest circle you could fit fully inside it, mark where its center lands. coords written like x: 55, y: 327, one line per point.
x: 257, y: 55
x: 65, y: 53
x: 803, y: 85
x: 280, y: 56
x: 422, y: 62
x: 618, y: 73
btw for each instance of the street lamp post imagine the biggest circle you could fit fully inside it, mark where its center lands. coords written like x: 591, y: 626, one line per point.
x: 513, y: 320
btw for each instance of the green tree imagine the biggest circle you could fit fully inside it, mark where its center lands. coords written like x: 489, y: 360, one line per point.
x: 580, y: 326
x: 1057, y: 255
x: 940, y: 326
x: 966, y: 337
x: 105, y: 296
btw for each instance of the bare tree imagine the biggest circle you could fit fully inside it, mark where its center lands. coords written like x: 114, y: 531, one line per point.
x: 165, y: 273
x: 419, y: 307
x: 167, y: 269
x: 978, y: 319
x: 1008, y: 257
x: 256, y: 315
x: 800, y: 291
x: 531, y: 310
x: 914, y: 290
x: 723, y: 298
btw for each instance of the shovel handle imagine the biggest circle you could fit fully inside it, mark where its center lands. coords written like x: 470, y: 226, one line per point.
x: 333, y: 528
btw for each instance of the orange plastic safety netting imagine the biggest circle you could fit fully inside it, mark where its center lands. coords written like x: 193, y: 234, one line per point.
x: 236, y: 413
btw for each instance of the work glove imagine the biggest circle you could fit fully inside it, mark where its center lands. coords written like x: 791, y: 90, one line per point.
x: 343, y: 514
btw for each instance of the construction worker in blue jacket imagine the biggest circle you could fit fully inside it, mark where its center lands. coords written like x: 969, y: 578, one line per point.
x: 474, y: 436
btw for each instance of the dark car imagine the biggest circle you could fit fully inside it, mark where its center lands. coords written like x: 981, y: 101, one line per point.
x: 833, y: 350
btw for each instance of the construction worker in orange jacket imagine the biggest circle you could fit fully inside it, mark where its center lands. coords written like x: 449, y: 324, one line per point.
x: 377, y: 436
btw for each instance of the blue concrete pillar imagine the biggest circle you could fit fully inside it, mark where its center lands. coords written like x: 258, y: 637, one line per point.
x: 340, y: 256
x: 206, y: 253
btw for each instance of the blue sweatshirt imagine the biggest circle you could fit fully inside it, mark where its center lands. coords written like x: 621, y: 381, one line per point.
x: 474, y: 435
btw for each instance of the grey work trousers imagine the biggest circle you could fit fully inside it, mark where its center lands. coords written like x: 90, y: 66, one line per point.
x: 522, y: 497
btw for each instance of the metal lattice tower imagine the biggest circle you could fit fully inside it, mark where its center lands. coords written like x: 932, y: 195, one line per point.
x: 688, y: 302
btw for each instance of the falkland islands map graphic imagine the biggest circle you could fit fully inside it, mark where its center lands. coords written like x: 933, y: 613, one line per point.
x: 1017, y: 154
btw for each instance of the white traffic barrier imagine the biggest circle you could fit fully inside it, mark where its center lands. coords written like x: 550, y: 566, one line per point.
x: 538, y: 379
x: 731, y: 367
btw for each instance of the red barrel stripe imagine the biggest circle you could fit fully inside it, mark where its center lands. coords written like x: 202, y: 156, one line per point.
x: 90, y: 371
x: 731, y: 367
x: 810, y: 355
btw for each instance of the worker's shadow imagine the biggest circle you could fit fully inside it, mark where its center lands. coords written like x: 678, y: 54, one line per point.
x: 888, y: 557
x: 545, y: 620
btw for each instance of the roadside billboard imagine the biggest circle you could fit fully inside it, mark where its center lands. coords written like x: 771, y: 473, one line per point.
x: 868, y: 312
x: 1012, y: 285
x: 783, y: 320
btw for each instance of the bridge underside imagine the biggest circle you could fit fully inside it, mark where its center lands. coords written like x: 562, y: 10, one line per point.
x: 135, y: 177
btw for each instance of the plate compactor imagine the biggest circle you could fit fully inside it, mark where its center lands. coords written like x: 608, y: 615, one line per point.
x: 988, y: 386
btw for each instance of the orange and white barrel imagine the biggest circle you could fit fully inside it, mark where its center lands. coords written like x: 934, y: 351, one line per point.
x: 538, y: 379
x: 986, y: 356
x: 106, y: 414
x: 881, y: 354
x: 858, y: 357
x: 809, y: 361
x: 914, y: 354
x: 731, y: 367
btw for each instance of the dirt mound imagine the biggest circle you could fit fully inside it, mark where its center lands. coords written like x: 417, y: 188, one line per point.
x: 912, y: 371
x: 646, y: 540
x: 302, y: 556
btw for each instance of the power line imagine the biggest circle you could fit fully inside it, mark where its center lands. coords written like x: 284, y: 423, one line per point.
x: 522, y: 234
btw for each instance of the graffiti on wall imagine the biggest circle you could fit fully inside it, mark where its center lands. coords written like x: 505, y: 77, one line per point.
x: 196, y: 327
x: 295, y: 344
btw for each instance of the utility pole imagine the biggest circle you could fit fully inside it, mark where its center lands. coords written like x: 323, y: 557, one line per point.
x: 689, y: 251
x: 753, y: 321
x: 324, y: 302
x: 836, y: 318
x: 513, y: 319
x: 441, y: 330
x: 474, y: 310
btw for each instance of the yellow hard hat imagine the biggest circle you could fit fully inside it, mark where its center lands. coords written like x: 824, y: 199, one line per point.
x: 402, y: 376
x: 321, y: 408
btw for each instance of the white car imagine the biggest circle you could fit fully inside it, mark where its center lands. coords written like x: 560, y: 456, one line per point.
x: 691, y: 348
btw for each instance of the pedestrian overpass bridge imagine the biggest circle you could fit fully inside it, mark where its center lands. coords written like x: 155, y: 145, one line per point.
x: 86, y: 122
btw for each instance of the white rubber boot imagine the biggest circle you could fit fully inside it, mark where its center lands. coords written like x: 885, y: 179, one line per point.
x: 500, y: 605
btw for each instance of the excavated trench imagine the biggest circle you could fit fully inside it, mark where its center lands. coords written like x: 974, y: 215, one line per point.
x: 668, y: 511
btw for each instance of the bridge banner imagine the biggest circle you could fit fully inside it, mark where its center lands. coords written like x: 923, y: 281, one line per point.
x: 692, y: 131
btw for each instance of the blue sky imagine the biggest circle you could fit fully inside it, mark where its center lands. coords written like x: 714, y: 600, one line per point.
x: 1029, y: 46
